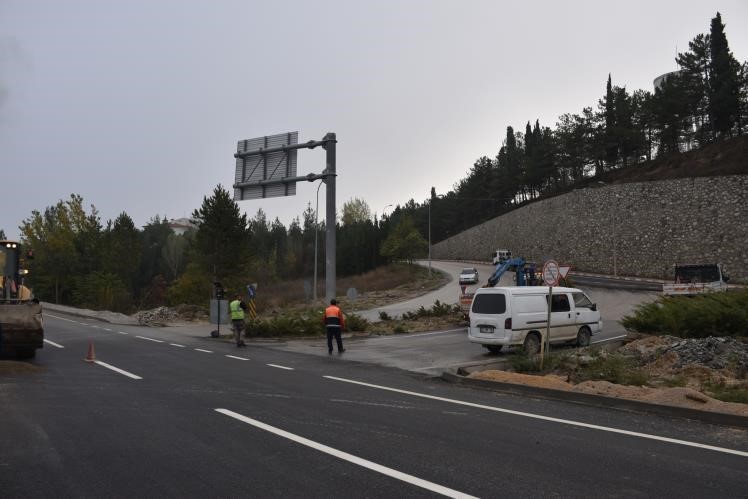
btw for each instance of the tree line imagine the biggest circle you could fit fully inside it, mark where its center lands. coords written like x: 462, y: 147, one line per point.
x: 705, y: 101
x: 117, y: 266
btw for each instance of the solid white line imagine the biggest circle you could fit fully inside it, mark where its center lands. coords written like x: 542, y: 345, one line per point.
x: 548, y: 418
x: 235, y: 357
x: 176, y: 345
x: 117, y: 369
x: 122, y: 332
x: 149, y: 339
x: 399, y: 475
x: 608, y: 339
x: 53, y: 344
x: 201, y: 350
x: 280, y: 367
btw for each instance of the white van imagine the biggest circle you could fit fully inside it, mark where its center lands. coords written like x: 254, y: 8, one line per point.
x: 518, y: 316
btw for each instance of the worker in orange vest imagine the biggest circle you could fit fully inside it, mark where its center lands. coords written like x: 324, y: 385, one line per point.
x: 334, y: 323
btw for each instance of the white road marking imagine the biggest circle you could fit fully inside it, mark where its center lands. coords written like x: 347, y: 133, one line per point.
x: 106, y: 329
x: 399, y: 475
x: 548, y: 418
x: 53, y: 343
x: 95, y: 327
x: 122, y: 332
x: 281, y: 367
x: 61, y: 318
x: 117, y: 369
x: 83, y: 323
x: 149, y: 339
x: 608, y: 339
x: 235, y: 357
x: 406, y: 336
x: 201, y: 350
x: 176, y: 345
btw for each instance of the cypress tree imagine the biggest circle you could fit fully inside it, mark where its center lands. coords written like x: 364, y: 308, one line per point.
x: 611, y: 144
x: 724, y: 81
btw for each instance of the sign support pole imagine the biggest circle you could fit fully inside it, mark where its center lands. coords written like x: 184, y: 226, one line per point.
x: 329, y: 145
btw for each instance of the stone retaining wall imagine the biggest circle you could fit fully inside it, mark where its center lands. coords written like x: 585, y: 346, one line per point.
x: 635, y: 229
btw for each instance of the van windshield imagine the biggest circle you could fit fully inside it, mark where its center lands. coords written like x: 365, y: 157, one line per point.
x: 489, y: 303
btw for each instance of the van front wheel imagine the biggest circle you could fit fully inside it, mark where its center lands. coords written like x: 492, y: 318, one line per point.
x: 583, y: 337
x: 531, y: 344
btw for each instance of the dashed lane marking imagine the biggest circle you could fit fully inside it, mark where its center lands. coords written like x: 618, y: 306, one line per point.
x: 106, y: 329
x: 176, y: 345
x: 122, y: 332
x: 365, y: 463
x: 280, y: 367
x: 547, y: 418
x: 53, y: 343
x: 235, y: 357
x: 201, y: 350
x: 149, y: 339
x: 117, y: 370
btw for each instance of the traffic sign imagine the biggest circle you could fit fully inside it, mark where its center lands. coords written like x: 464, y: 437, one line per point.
x: 551, y: 273
x: 564, y: 270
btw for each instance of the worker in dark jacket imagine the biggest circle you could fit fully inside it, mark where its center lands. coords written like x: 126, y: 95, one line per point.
x: 334, y: 323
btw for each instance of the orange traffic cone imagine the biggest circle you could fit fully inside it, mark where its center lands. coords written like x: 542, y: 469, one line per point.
x: 91, y: 356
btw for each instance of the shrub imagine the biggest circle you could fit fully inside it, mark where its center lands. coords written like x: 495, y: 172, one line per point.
x: 304, y: 323
x: 725, y: 393
x: 437, y: 310
x: 713, y: 314
x: 614, y: 368
x: 384, y: 316
x: 399, y: 329
x: 354, y: 322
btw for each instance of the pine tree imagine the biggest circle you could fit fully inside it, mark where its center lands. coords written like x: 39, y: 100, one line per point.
x: 694, y: 69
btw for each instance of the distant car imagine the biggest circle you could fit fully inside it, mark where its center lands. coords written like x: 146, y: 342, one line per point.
x: 469, y: 275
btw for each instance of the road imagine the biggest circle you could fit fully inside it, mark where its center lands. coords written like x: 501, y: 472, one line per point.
x: 164, y: 415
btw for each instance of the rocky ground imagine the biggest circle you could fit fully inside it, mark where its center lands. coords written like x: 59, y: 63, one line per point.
x: 679, y: 372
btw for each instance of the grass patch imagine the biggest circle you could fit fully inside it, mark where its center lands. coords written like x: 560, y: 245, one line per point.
x: 521, y: 362
x: 725, y: 393
x: 613, y: 368
x: 713, y: 314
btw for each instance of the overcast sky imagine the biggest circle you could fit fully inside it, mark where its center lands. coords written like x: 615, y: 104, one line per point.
x: 137, y: 105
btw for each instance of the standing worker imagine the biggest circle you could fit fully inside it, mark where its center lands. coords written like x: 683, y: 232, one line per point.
x: 237, y: 308
x: 334, y: 323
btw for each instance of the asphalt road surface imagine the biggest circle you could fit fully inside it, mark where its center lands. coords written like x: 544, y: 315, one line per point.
x: 164, y: 414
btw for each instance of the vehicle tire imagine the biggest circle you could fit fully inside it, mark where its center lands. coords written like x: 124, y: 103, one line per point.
x: 494, y: 348
x: 25, y: 353
x: 583, y: 336
x: 531, y: 345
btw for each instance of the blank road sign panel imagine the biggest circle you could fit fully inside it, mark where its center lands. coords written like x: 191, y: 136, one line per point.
x: 262, y: 166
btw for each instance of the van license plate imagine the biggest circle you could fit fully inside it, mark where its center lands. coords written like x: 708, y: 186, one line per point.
x: 486, y: 330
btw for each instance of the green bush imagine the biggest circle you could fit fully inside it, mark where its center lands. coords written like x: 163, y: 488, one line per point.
x: 725, y: 393
x: 384, y: 316
x: 521, y: 362
x: 354, y: 322
x: 713, y: 314
x: 437, y: 310
x: 305, y: 323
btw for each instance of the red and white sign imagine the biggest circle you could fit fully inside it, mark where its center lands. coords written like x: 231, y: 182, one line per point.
x: 564, y: 270
x: 551, y: 273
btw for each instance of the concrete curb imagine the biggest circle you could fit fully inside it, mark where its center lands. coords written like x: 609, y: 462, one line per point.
x: 718, y: 418
x: 110, y: 317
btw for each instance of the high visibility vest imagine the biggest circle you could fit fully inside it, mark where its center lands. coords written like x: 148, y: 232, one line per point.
x: 334, y: 317
x: 237, y: 313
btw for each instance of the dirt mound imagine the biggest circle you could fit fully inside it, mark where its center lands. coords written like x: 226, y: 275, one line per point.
x: 163, y: 316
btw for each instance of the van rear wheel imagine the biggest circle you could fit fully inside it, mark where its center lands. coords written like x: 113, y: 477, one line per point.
x: 494, y: 348
x: 531, y: 344
x: 583, y: 336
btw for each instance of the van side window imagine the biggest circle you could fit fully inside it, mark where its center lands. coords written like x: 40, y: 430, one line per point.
x: 489, y: 303
x: 581, y: 300
x: 560, y: 303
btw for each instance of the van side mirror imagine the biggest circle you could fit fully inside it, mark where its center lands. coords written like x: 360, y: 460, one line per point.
x: 594, y: 307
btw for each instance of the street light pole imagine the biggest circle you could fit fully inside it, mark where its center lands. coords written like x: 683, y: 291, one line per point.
x: 316, y: 233
x: 430, y: 200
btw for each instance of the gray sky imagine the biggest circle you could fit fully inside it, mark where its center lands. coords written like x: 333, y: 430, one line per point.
x: 137, y: 105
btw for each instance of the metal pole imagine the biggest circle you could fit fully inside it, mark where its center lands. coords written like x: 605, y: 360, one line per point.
x: 330, y: 141
x: 316, y: 233
x: 430, y: 200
